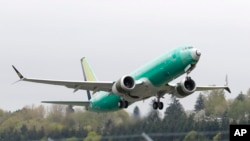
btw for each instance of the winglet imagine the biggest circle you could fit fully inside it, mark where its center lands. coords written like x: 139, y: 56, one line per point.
x: 18, y: 73
x: 226, y: 81
x: 226, y: 84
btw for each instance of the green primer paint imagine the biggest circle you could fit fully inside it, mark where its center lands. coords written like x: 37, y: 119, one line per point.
x: 159, y: 71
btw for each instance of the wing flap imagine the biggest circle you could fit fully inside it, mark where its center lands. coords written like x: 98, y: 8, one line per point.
x: 72, y: 103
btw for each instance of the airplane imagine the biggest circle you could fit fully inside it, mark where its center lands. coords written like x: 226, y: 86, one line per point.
x: 150, y: 80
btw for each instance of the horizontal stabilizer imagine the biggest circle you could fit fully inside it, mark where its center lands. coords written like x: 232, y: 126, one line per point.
x: 72, y: 103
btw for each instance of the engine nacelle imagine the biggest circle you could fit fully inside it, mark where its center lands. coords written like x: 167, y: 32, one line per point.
x: 186, y: 87
x: 124, y: 85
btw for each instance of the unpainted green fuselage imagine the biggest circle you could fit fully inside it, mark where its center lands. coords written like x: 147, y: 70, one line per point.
x: 159, y: 72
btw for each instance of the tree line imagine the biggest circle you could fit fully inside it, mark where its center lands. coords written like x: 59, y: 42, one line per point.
x: 209, y: 121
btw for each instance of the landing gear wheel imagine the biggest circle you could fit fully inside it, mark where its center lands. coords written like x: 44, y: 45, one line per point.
x: 160, y: 105
x: 123, y: 104
x: 155, y: 105
x: 120, y: 104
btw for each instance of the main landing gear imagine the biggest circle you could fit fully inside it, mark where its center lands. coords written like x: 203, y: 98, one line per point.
x: 123, y: 104
x: 157, y: 104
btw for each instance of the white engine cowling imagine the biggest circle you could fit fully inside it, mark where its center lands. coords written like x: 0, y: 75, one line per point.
x: 124, y: 85
x: 186, y: 87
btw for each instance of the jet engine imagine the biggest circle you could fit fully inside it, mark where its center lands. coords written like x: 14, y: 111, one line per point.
x: 124, y: 85
x: 186, y: 87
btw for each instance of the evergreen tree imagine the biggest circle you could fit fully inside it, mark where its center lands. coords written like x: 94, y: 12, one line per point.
x: 175, y: 118
x: 175, y: 110
x: 240, y: 97
x: 200, y: 103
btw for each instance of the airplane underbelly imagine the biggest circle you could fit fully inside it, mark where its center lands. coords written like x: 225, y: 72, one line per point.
x: 141, y: 92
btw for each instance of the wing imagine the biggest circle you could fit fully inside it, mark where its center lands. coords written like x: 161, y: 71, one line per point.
x: 76, y: 85
x: 207, y: 88
x: 171, y: 88
x: 72, y: 103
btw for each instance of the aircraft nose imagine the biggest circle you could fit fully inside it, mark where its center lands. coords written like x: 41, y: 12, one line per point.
x: 196, y: 53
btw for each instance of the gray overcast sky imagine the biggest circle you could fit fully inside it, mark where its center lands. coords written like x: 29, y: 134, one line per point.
x: 47, y: 38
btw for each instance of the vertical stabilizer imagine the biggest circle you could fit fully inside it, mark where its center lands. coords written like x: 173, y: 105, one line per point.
x: 87, y: 73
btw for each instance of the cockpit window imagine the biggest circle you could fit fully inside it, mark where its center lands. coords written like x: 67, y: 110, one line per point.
x: 186, y: 48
